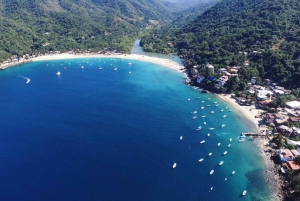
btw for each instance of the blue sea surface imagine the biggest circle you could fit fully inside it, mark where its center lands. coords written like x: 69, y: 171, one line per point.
x: 93, y: 134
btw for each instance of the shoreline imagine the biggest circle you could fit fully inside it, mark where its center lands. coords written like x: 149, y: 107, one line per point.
x: 273, y: 178
x: 163, y: 62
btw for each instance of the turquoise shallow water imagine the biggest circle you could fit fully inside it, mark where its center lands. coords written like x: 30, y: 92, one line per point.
x: 92, y: 134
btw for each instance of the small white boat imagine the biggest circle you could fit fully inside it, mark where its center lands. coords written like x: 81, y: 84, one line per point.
x: 233, y: 172
x: 215, y: 102
x: 225, y: 152
x: 221, y: 162
x: 211, y: 172
x: 202, y: 102
x: 208, y: 134
x: 211, y: 129
x: 204, y: 123
x: 198, y: 128
x: 174, y: 165
x: 244, y: 192
x: 226, y: 108
x: 210, y: 154
x: 198, y: 97
x: 115, y: 69
x: 129, y: 72
x: 82, y: 67
x: 200, y: 160
x: 202, y: 141
x: 129, y: 63
x: 208, y: 105
x: 225, y: 179
x: 202, y: 108
x: 222, y: 110
x: 189, y: 99
x: 58, y: 73
x: 203, y: 116
x: 181, y: 137
x: 217, y: 105
x: 241, y: 140
x: 194, y: 117
x: 194, y: 112
x: 100, y: 68
x: 223, y: 125
x: 211, y: 188
x: 229, y: 145
x: 230, y: 110
x: 208, y: 98
x: 212, y: 112
x: 219, y: 144
x: 230, y: 139
x: 224, y: 116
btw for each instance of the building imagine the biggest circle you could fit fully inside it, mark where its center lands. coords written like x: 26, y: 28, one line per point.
x: 293, y: 104
x: 263, y: 94
x: 292, y: 165
x: 221, y: 81
x: 253, y: 80
x: 269, y: 118
x: 211, y: 68
x: 285, y: 155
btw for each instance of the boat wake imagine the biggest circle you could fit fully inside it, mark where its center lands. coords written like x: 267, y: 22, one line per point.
x: 26, y: 78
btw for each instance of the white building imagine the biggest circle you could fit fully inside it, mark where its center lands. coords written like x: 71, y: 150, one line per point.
x: 263, y: 94
x: 293, y: 104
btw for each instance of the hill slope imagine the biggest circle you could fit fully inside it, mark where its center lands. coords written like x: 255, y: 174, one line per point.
x: 47, y: 25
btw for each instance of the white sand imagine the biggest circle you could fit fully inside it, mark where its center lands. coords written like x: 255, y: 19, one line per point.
x: 163, y: 62
x: 245, y: 110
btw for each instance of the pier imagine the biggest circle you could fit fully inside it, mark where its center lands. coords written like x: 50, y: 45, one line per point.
x: 253, y: 134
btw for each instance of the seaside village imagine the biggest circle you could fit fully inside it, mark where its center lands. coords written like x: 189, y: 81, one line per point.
x: 280, y: 126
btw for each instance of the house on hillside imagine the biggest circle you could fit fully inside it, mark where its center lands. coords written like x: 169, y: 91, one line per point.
x: 292, y: 165
x: 293, y: 104
x: 253, y: 80
x: 285, y: 155
x: 268, y: 118
x: 221, y: 81
x: 211, y: 68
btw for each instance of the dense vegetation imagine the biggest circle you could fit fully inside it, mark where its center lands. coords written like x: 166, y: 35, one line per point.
x: 29, y: 27
x: 266, y: 33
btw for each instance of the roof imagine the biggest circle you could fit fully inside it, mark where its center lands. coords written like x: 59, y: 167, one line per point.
x: 287, y: 153
x: 293, y: 104
x: 295, y: 152
x: 292, y: 165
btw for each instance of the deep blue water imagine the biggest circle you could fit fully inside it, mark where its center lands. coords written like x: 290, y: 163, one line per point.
x: 110, y: 135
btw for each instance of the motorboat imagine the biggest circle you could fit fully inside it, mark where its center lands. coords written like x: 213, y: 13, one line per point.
x: 230, y: 139
x: 181, y: 137
x: 230, y: 110
x: 194, y: 117
x: 225, y: 152
x: 211, y: 172
x: 210, y: 154
x: 222, y: 110
x: 200, y: 160
x: 174, y: 165
x: 100, y: 68
x: 208, y: 98
x: 208, y: 134
x: 225, y: 179
x: 202, y: 108
x: 215, y: 102
x: 202, y: 102
x: 204, y: 123
x: 244, y: 192
x: 212, y: 112
x: 115, y: 69
x: 226, y: 108
x: 198, y: 128
x: 189, y: 99
x: 203, y: 116
x: 202, y: 141
x: 241, y: 140
x: 82, y: 67
x: 221, y: 162
x: 195, y: 112
x: 211, y: 188
x: 211, y: 129
x: 217, y: 105
x: 223, y: 125
x: 224, y: 116
x: 233, y: 172
x: 129, y: 64
x: 58, y: 73
x: 198, y: 97
x: 208, y: 105
x: 229, y: 145
x: 129, y: 72
x: 219, y: 144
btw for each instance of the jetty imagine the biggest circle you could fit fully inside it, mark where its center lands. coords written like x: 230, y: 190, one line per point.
x: 253, y: 134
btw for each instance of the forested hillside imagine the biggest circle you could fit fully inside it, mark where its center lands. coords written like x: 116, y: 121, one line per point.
x: 266, y: 33
x: 32, y: 26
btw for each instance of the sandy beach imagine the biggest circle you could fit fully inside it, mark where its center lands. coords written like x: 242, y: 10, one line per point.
x: 245, y: 110
x: 163, y: 62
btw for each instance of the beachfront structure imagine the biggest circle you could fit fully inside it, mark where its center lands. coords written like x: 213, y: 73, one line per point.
x: 253, y: 80
x: 264, y: 104
x: 293, y: 104
x: 285, y: 155
x: 211, y: 68
x: 263, y: 94
x: 292, y: 165
x: 269, y: 118
x: 221, y: 81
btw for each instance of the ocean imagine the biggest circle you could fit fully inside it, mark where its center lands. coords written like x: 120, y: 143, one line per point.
x: 93, y: 134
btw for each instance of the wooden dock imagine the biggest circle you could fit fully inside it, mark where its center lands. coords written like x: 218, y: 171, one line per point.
x: 253, y: 134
